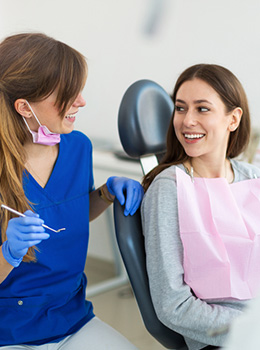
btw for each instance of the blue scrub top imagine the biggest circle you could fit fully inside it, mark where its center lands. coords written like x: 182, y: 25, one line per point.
x: 45, y: 301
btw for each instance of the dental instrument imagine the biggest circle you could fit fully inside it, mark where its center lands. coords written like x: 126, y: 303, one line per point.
x: 20, y: 214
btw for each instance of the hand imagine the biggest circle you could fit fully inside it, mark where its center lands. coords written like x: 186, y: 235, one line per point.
x: 127, y: 191
x: 22, y: 233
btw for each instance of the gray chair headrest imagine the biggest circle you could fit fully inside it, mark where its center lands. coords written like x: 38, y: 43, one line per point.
x: 144, y: 116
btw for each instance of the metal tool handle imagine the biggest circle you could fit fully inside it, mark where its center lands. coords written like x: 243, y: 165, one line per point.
x: 21, y: 214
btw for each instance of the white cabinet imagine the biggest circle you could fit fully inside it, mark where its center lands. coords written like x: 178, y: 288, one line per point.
x: 102, y: 242
x: 106, y: 164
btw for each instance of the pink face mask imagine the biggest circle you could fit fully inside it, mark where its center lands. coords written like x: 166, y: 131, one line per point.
x: 43, y: 136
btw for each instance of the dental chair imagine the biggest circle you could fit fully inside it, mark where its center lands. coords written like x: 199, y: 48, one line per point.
x: 143, y: 120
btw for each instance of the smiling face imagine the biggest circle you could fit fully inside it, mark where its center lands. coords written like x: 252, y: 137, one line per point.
x: 201, y: 122
x: 49, y: 115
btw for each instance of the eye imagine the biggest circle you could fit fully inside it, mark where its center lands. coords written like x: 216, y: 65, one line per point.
x: 203, y: 109
x: 179, y: 109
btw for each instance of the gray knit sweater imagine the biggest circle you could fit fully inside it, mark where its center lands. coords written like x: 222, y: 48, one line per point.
x: 174, y: 302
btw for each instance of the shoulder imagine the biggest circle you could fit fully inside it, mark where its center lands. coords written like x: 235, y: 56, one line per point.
x: 244, y: 170
x: 165, y: 179
x: 163, y: 186
x: 167, y: 175
x: 159, y: 204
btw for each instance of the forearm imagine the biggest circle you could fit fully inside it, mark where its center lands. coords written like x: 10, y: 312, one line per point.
x: 5, y: 267
x: 98, y: 204
x: 183, y: 312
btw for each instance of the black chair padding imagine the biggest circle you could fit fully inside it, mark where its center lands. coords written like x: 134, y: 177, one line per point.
x: 143, y: 120
x: 131, y: 245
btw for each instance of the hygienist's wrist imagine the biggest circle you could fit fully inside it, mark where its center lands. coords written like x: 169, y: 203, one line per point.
x: 106, y: 195
x: 8, y: 256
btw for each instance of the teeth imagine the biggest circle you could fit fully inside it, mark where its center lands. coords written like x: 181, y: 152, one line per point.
x: 70, y: 116
x: 193, y: 136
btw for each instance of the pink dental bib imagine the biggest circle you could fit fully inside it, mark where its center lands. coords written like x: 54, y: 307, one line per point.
x: 220, y: 231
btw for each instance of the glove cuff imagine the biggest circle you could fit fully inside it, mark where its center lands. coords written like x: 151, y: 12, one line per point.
x: 8, y: 256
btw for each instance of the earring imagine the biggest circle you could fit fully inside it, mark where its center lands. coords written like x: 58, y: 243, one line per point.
x: 232, y: 127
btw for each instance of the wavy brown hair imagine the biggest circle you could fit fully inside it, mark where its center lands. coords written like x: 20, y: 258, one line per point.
x: 232, y: 95
x: 32, y: 66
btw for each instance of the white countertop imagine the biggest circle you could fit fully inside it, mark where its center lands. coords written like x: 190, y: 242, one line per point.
x: 107, y: 160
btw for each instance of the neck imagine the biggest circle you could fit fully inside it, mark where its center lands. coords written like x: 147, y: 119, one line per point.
x: 40, y: 161
x: 37, y: 150
x: 210, y: 169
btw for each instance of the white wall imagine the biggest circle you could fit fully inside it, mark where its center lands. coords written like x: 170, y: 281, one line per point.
x: 113, y: 35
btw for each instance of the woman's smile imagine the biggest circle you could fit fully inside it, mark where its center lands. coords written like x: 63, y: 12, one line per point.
x: 71, y: 118
x: 193, y: 137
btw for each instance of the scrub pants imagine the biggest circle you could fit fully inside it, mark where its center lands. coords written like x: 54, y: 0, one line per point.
x: 95, y: 335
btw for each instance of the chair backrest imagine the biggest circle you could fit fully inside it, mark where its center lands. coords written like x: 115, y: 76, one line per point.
x: 131, y: 245
x: 143, y: 121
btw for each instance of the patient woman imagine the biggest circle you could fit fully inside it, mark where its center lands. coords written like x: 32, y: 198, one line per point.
x: 200, y: 212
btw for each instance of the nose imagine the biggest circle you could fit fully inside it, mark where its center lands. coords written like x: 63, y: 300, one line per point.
x: 80, y: 101
x: 189, y: 119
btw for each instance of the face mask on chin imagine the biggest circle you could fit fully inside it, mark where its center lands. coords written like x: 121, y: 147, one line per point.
x: 43, y: 136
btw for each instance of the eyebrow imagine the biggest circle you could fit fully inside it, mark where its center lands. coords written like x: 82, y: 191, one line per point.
x: 196, y: 101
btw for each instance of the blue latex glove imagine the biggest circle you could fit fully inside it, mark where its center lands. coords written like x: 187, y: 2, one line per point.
x: 22, y: 233
x: 127, y: 191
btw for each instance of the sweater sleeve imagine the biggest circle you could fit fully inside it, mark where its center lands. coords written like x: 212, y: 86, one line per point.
x: 175, y: 304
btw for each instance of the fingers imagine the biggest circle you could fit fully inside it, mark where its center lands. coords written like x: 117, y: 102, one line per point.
x: 137, y: 202
x: 19, y: 243
x: 27, y: 223
x: 33, y: 236
x: 119, y: 193
x: 23, y: 233
x: 127, y: 191
x: 116, y: 186
x: 28, y: 233
x: 134, y: 195
x: 111, y: 184
x: 131, y: 195
x: 31, y: 213
x: 26, y: 229
x: 32, y: 243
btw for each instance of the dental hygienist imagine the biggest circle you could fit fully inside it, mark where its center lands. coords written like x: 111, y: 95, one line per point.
x: 46, y: 173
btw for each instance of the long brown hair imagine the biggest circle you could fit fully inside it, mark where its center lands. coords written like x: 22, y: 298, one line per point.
x: 232, y: 95
x: 32, y: 66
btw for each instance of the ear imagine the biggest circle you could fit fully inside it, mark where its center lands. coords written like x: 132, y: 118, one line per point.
x: 22, y: 108
x: 236, y: 115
